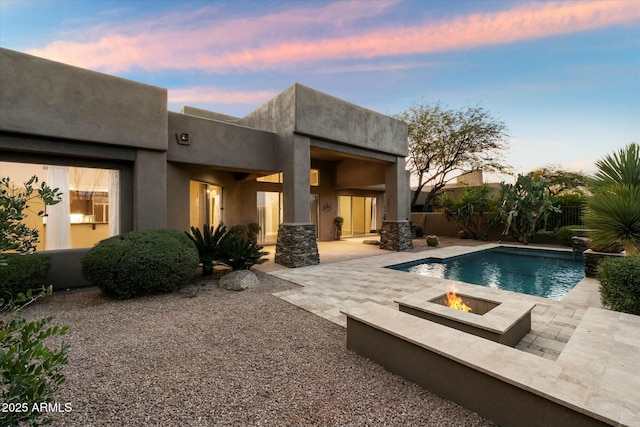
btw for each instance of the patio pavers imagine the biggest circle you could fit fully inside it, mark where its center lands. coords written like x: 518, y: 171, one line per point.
x: 328, y: 288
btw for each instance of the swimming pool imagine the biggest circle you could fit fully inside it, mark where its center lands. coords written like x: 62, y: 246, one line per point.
x: 544, y: 273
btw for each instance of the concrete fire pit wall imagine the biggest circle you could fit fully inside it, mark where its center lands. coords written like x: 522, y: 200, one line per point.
x: 432, y: 356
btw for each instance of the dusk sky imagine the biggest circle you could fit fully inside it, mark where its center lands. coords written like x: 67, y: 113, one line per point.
x: 563, y: 76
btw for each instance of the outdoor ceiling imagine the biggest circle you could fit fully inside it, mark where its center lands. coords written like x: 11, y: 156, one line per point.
x: 318, y: 153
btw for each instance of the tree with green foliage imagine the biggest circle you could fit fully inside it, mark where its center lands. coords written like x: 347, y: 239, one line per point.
x: 30, y: 371
x: 524, y: 207
x: 468, y: 209
x: 444, y: 143
x: 14, y: 201
x: 614, y: 210
x: 562, y: 182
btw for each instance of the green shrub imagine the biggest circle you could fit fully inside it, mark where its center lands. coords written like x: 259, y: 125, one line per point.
x: 207, y: 243
x: 620, y: 283
x: 252, y: 231
x: 572, y: 199
x: 241, y: 254
x: 565, y: 234
x: 141, y: 262
x: 30, y: 371
x: 416, y: 231
x: 468, y: 208
x: 22, y: 272
x: 239, y: 231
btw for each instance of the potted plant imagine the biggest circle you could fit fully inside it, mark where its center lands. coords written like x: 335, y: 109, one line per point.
x: 338, y: 221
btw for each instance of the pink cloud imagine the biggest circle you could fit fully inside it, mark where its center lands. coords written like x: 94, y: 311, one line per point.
x: 286, y: 38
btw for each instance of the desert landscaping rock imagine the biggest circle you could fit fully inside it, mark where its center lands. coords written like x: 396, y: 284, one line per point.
x: 210, y: 357
x: 239, y: 280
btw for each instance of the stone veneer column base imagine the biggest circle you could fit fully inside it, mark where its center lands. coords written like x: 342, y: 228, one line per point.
x: 396, y: 236
x: 592, y: 260
x: 297, y: 245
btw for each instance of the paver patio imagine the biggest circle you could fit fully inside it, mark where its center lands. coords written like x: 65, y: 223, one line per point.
x: 330, y: 287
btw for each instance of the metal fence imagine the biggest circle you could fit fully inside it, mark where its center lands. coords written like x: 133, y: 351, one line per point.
x: 570, y: 215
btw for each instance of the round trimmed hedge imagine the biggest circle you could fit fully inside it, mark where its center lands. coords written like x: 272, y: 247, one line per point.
x: 141, y: 262
x: 565, y: 234
x: 23, y: 272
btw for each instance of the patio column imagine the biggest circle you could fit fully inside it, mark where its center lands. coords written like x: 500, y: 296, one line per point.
x: 396, y: 231
x: 296, y: 245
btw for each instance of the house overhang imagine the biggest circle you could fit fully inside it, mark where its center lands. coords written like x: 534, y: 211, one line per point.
x: 207, y: 142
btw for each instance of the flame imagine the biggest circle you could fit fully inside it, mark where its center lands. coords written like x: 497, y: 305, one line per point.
x: 454, y: 301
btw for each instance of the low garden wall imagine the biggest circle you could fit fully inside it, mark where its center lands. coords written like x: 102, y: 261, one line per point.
x: 437, y: 223
x: 66, y: 268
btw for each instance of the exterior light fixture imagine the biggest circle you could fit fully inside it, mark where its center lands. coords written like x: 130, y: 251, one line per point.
x: 45, y: 219
x: 183, y: 138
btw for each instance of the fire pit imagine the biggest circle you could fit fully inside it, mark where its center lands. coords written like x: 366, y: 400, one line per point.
x: 504, y: 320
x: 466, y: 303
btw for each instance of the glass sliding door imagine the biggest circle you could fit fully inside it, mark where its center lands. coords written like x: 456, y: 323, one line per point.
x: 269, y: 215
x: 269, y: 205
x: 345, y: 212
x: 359, y: 215
x: 205, y: 204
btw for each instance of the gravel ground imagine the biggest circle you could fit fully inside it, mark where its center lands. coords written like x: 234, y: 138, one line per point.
x: 207, y: 356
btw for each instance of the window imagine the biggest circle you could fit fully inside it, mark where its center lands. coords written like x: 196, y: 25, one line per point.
x: 276, y: 178
x: 88, y: 212
x: 89, y: 206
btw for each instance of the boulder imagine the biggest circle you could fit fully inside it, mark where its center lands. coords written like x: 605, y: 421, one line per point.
x: 239, y: 280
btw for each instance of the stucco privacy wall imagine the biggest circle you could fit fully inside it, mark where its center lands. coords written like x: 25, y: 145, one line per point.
x: 42, y: 97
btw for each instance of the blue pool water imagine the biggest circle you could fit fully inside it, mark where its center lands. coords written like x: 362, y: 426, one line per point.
x: 549, y: 274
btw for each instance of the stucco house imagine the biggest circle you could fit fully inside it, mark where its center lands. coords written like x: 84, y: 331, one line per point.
x: 127, y: 163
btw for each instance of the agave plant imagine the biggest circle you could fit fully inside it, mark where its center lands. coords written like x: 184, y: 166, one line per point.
x: 468, y: 208
x: 208, y: 243
x: 241, y: 254
x: 614, y: 210
x: 614, y: 216
x: 622, y: 167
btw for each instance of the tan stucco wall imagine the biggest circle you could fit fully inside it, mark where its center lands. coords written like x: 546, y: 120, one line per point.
x: 220, y: 144
x: 327, y: 117
x: 43, y: 97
